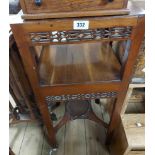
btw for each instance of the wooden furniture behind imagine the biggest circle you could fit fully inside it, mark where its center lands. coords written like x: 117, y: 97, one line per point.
x: 128, y: 95
x: 23, y: 106
x: 67, y: 65
x: 72, y: 8
x: 129, y: 137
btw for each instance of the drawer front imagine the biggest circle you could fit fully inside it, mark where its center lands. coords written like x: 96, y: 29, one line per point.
x: 51, y: 6
x: 136, y: 153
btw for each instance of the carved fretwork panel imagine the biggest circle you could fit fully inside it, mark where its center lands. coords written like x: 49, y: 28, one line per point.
x: 81, y: 35
x: 51, y: 99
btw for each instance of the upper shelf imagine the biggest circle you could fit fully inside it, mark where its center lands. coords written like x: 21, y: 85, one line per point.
x: 78, y: 63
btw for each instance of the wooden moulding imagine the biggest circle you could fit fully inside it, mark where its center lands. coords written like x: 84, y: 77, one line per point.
x: 80, y: 89
x: 76, y: 14
x: 67, y: 24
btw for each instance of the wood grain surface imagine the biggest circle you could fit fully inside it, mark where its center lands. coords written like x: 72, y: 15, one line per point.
x: 70, y: 5
x: 82, y: 63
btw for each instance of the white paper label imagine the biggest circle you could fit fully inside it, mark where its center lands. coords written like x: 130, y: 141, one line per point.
x: 139, y: 124
x: 81, y: 25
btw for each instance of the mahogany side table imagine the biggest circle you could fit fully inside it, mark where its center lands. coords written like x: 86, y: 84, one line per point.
x: 64, y: 63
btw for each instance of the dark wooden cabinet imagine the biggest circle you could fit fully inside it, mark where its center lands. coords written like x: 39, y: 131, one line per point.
x: 24, y: 108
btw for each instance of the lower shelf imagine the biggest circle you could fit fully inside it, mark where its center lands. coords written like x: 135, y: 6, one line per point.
x: 78, y: 63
